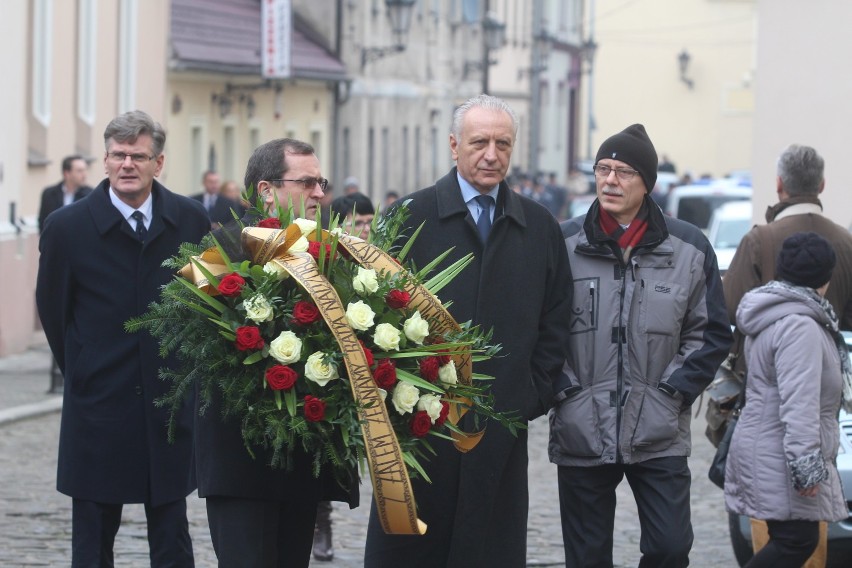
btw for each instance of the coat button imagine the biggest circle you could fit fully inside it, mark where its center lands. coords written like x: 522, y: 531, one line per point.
x: 138, y: 390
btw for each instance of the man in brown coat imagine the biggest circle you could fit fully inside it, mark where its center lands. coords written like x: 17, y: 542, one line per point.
x: 799, y: 182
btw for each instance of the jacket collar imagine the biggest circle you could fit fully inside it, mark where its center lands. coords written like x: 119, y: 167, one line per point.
x: 450, y: 201
x: 656, y: 233
x: 106, y: 216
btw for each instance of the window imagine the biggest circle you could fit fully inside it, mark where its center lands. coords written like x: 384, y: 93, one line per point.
x: 127, y: 55
x: 346, y: 157
x: 87, y: 36
x: 385, y: 159
x: 196, y: 160
x: 417, y: 157
x: 228, y: 151
x: 42, y: 59
x: 405, y: 161
x: 371, y: 153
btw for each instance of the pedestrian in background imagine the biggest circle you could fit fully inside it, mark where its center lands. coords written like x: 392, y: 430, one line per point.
x: 72, y: 188
x: 799, y: 182
x: 518, y: 285
x: 259, y: 516
x: 355, y: 214
x: 218, y: 206
x: 781, y: 463
x: 648, y: 331
x: 101, y: 265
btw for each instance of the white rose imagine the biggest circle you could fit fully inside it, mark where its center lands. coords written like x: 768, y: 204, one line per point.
x: 301, y: 245
x: 286, y: 348
x: 317, y: 370
x: 416, y: 328
x: 405, y: 396
x: 276, y: 270
x: 447, y: 373
x: 360, y: 315
x: 365, y: 282
x: 307, y: 226
x: 258, y: 309
x: 432, y: 405
x: 387, y: 337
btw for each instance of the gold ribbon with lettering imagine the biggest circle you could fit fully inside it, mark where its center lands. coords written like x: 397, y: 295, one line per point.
x: 391, y: 484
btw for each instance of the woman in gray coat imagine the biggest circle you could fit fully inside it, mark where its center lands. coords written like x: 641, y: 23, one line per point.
x: 781, y: 465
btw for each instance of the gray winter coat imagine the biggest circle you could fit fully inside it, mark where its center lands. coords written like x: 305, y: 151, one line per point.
x: 646, y: 339
x: 787, y: 433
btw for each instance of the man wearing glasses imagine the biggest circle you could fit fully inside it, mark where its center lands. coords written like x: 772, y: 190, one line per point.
x: 100, y: 265
x: 260, y: 516
x: 648, y: 331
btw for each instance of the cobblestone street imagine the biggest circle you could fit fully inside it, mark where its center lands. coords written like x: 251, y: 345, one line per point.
x: 35, y: 525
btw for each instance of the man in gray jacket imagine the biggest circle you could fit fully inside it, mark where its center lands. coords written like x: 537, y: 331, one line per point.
x: 648, y: 331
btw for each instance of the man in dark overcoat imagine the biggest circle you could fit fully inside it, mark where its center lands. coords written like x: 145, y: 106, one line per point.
x: 100, y: 265
x: 72, y: 188
x: 519, y: 285
x: 260, y: 516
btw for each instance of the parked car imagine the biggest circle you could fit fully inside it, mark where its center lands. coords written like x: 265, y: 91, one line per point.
x: 839, y: 533
x: 696, y: 203
x: 728, y: 224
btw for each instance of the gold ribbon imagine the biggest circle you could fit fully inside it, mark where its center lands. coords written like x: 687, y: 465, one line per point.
x: 391, y: 484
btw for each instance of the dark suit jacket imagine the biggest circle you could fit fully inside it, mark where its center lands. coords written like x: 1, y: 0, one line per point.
x: 52, y: 199
x: 221, y: 212
x: 93, y: 276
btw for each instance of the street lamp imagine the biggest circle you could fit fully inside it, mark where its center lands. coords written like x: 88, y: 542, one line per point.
x: 399, y: 14
x: 493, y: 38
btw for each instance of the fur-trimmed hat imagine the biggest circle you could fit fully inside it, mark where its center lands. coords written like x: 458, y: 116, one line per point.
x: 632, y: 146
x: 805, y: 259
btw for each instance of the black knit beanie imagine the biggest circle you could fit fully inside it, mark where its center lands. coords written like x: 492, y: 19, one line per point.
x: 632, y: 146
x: 806, y: 259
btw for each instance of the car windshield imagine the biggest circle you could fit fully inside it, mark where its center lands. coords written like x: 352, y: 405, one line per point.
x: 730, y: 233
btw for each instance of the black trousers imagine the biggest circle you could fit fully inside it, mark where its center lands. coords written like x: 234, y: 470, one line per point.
x: 587, y: 502
x: 790, y: 544
x: 94, y: 526
x: 254, y: 533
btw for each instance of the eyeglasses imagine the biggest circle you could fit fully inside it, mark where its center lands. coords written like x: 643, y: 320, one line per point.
x: 119, y: 157
x: 624, y: 174
x: 307, y: 183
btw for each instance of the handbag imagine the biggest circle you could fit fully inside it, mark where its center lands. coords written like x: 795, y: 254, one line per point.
x: 717, y: 466
x: 722, y: 396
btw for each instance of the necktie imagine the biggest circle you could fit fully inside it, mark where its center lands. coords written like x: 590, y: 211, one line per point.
x: 141, y: 231
x: 483, y: 224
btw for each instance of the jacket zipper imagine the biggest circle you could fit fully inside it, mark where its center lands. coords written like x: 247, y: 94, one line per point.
x: 619, y: 383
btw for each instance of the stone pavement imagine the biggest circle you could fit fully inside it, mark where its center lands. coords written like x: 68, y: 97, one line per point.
x: 35, y: 527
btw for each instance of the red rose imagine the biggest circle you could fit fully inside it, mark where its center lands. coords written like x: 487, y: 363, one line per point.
x: 367, y: 353
x: 442, y: 358
x: 429, y: 368
x: 248, y: 338
x: 397, y: 299
x: 385, y: 374
x: 305, y: 313
x: 314, y: 249
x: 445, y: 411
x: 281, y: 377
x: 420, y: 424
x: 314, y: 409
x: 270, y: 223
x: 231, y: 285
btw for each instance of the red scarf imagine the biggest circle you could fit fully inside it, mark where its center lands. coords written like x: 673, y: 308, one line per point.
x: 629, y: 238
